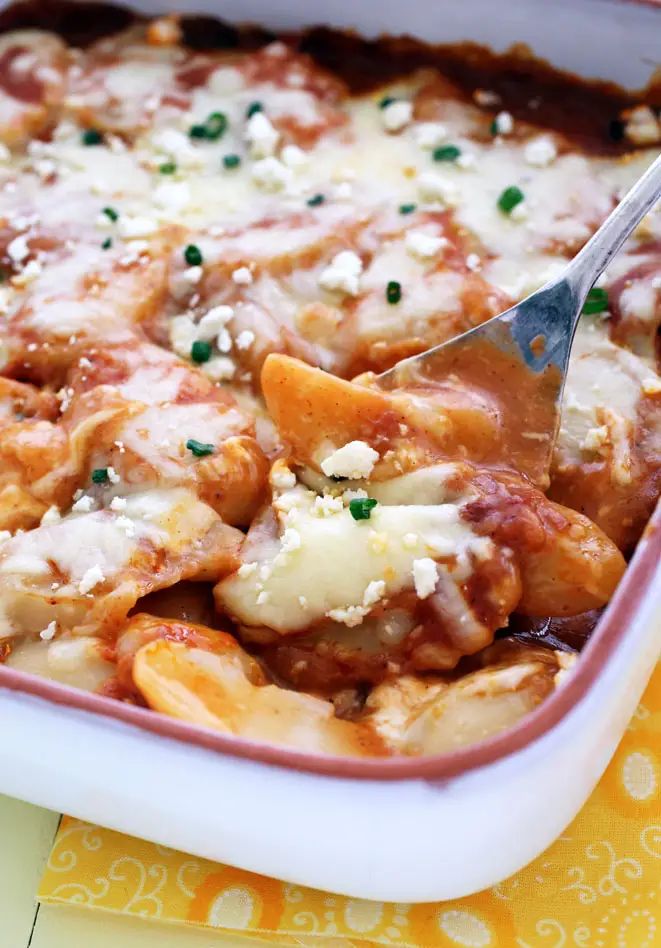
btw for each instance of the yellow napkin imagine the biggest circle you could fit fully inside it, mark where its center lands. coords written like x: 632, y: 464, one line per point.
x: 598, y: 886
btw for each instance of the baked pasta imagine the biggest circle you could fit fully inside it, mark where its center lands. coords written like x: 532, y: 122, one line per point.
x: 211, y: 241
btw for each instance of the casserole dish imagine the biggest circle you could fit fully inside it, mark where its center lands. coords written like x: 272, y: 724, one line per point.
x: 443, y: 806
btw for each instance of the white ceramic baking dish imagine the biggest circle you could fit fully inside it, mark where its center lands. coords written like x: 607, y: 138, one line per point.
x: 400, y: 829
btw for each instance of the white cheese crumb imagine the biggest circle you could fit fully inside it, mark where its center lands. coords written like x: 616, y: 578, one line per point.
x: 282, y: 478
x: 373, y: 592
x: 466, y: 161
x: 342, y: 275
x: 192, y: 275
x: 540, y: 151
x: 213, y: 321
x: 261, y: 136
x: 302, y: 601
x: 125, y: 524
x: 183, y: 333
x: 425, y: 575
x: 519, y: 212
x: 219, y: 369
x: 172, y: 195
x: 91, y: 578
x: 84, y: 504
x: 113, y: 476
x: 433, y: 187
x: 350, y: 616
x: 242, y: 276
x: 595, y: 438
x: 420, y: 244
x: 17, y: 249
x: 224, y: 341
x: 49, y: 632
x: 294, y: 157
x: 291, y: 540
x: 343, y: 191
x: 355, y: 459
x: 245, y: 339
x: 473, y: 262
x: 270, y: 174
x: 120, y: 446
x: 30, y: 272
x: 350, y: 495
x: 263, y: 598
x: 325, y: 506
x: 136, y: 226
x: 396, y: 115
x: 651, y: 386
x: 429, y: 135
x: 5, y: 535
x: 410, y: 541
x: 51, y: 516
x: 247, y: 569
x: 504, y: 123
x: 118, y: 503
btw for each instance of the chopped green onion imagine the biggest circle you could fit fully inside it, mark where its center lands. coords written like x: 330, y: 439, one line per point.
x: 386, y: 101
x: 199, y: 448
x: 91, y: 137
x: 361, y: 507
x: 510, y: 198
x: 493, y: 128
x: 216, y: 126
x: 168, y: 167
x: 200, y: 351
x: 393, y: 291
x: 110, y: 213
x: 3, y: 275
x: 315, y: 200
x: 231, y: 161
x: 213, y: 129
x: 100, y: 475
x: 407, y: 208
x: 193, y: 255
x: 107, y: 244
x: 254, y: 107
x: 446, y: 153
x: 596, y: 301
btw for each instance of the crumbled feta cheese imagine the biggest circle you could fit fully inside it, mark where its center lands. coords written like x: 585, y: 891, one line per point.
x: 261, y: 136
x: 355, y: 459
x: 433, y: 187
x: 51, y: 516
x: 270, y: 174
x: 342, y: 275
x: 213, y: 321
x: 396, y: 115
x: 466, y: 161
x: 293, y: 156
x: 410, y: 541
x: 120, y: 446
x: 595, y: 438
x: 242, y: 276
x: 224, y: 341
x: 49, y: 632
x: 473, y: 261
x: 17, y: 249
x: 137, y: 226
x: 350, y: 495
x: 519, y: 212
x: 325, y: 506
x: 5, y: 535
x: 84, y: 504
x: 343, y: 191
x: 651, y: 386
x: 374, y: 591
x: 219, y: 369
x: 350, y: 616
x: 420, y: 244
x: 429, y: 135
x: 125, y: 524
x: 425, y: 575
x: 118, y: 503
x: 504, y: 123
x: 263, y: 598
x: 172, y: 195
x: 247, y: 569
x: 91, y: 578
x: 192, y: 275
x: 245, y: 339
x: 282, y: 478
x: 643, y: 127
x: 540, y: 151
x: 291, y: 540
x: 30, y: 272
x: 113, y: 476
x: 183, y: 333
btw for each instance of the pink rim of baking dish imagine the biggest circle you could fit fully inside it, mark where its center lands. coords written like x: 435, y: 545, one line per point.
x: 608, y: 634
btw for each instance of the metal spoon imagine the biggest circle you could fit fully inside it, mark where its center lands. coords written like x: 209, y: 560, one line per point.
x: 527, y: 347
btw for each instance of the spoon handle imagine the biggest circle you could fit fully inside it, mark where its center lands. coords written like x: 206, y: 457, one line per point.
x: 595, y: 256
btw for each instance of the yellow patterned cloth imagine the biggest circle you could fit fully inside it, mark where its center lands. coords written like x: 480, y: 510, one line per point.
x: 598, y: 886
